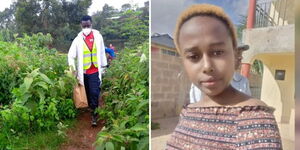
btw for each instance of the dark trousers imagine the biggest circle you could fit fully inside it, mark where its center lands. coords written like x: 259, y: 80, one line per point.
x: 92, y: 89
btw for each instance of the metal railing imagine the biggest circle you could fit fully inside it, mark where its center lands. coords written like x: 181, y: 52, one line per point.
x: 271, y: 13
x: 255, y: 81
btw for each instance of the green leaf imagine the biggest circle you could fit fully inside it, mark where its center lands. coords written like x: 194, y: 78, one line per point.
x: 24, y: 99
x: 139, y: 127
x: 123, y: 123
x: 144, y: 143
x: 41, y: 94
x: 143, y: 104
x: 31, y: 118
x: 103, y: 134
x: 34, y: 73
x: 109, y: 146
x: 133, y: 139
x: 32, y: 105
x: 100, y: 147
x: 61, y: 84
x: 42, y: 84
x: 27, y: 82
x: 100, y: 142
x: 138, y: 112
x: 46, y: 79
x: 117, y: 138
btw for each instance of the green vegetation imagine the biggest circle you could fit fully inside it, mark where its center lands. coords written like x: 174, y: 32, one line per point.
x: 36, y: 87
x: 36, y: 104
x: 128, y: 24
x: 126, y: 105
x: 61, y: 19
x: 126, y: 82
x: 49, y: 139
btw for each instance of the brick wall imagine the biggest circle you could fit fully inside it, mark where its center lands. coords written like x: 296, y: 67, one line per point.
x: 169, y: 83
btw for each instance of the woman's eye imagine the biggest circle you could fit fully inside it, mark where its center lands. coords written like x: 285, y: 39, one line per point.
x: 217, y: 52
x: 193, y: 57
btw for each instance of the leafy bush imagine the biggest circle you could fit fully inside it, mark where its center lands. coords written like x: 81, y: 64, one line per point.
x: 47, y: 101
x: 126, y: 102
x: 11, y: 69
x: 6, y: 35
x: 22, y: 56
x: 36, y: 88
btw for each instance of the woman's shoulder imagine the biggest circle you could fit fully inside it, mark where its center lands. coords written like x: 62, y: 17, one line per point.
x: 249, y: 101
x: 252, y: 102
x: 247, y: 106
x: 255, y: 109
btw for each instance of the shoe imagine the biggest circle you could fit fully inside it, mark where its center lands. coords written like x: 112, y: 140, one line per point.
x: 94, y: 120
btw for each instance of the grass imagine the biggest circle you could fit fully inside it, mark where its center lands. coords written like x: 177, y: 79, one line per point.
x: 49, y: 140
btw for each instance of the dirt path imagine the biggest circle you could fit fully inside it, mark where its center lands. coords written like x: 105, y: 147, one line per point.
x: 82, y: 135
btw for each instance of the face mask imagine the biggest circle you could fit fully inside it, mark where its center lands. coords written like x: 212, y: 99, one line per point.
x: 86, y: 31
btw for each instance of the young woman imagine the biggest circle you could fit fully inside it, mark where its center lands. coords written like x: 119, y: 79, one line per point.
x: 225, y: 118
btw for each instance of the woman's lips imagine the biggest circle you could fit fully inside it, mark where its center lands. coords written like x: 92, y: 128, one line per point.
x: 209, y: 83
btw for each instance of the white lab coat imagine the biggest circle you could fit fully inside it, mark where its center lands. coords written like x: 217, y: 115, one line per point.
x: 239, y: 82
x: 76, y: 52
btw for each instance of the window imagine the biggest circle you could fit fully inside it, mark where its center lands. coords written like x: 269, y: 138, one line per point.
x: 279, y: 74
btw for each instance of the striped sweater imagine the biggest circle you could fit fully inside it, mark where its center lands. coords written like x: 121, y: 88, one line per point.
x: 226, y: 128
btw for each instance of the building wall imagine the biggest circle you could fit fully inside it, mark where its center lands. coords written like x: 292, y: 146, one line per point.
x: 279, y: 93
x: 270, y: 92
x: 169, y: 83
x: 275, y: 47
x: 277, y: 39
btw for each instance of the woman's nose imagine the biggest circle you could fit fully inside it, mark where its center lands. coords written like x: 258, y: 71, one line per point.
x: 207, y: 65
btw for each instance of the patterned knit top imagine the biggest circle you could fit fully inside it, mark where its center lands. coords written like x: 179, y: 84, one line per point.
x: 226, y: 128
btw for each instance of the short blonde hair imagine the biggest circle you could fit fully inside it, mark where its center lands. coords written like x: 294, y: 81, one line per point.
x: 205, y: 10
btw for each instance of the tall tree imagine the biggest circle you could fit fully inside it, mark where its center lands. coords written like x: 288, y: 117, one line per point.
x: 27, y: 16
x: 7, y: 17
x: 7, y: 23
x: 128, y: 24
x: 125, y: 7
x: 60, y: 18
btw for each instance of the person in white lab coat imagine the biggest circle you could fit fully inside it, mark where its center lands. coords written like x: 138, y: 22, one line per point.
x: 238, y: 81
x: 88, y: 48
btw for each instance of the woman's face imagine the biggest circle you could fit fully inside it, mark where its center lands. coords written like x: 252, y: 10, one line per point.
x: 207, y: 52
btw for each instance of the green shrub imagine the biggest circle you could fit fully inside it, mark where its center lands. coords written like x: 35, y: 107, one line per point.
x: 36, y: 88
x: 126, y: 105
